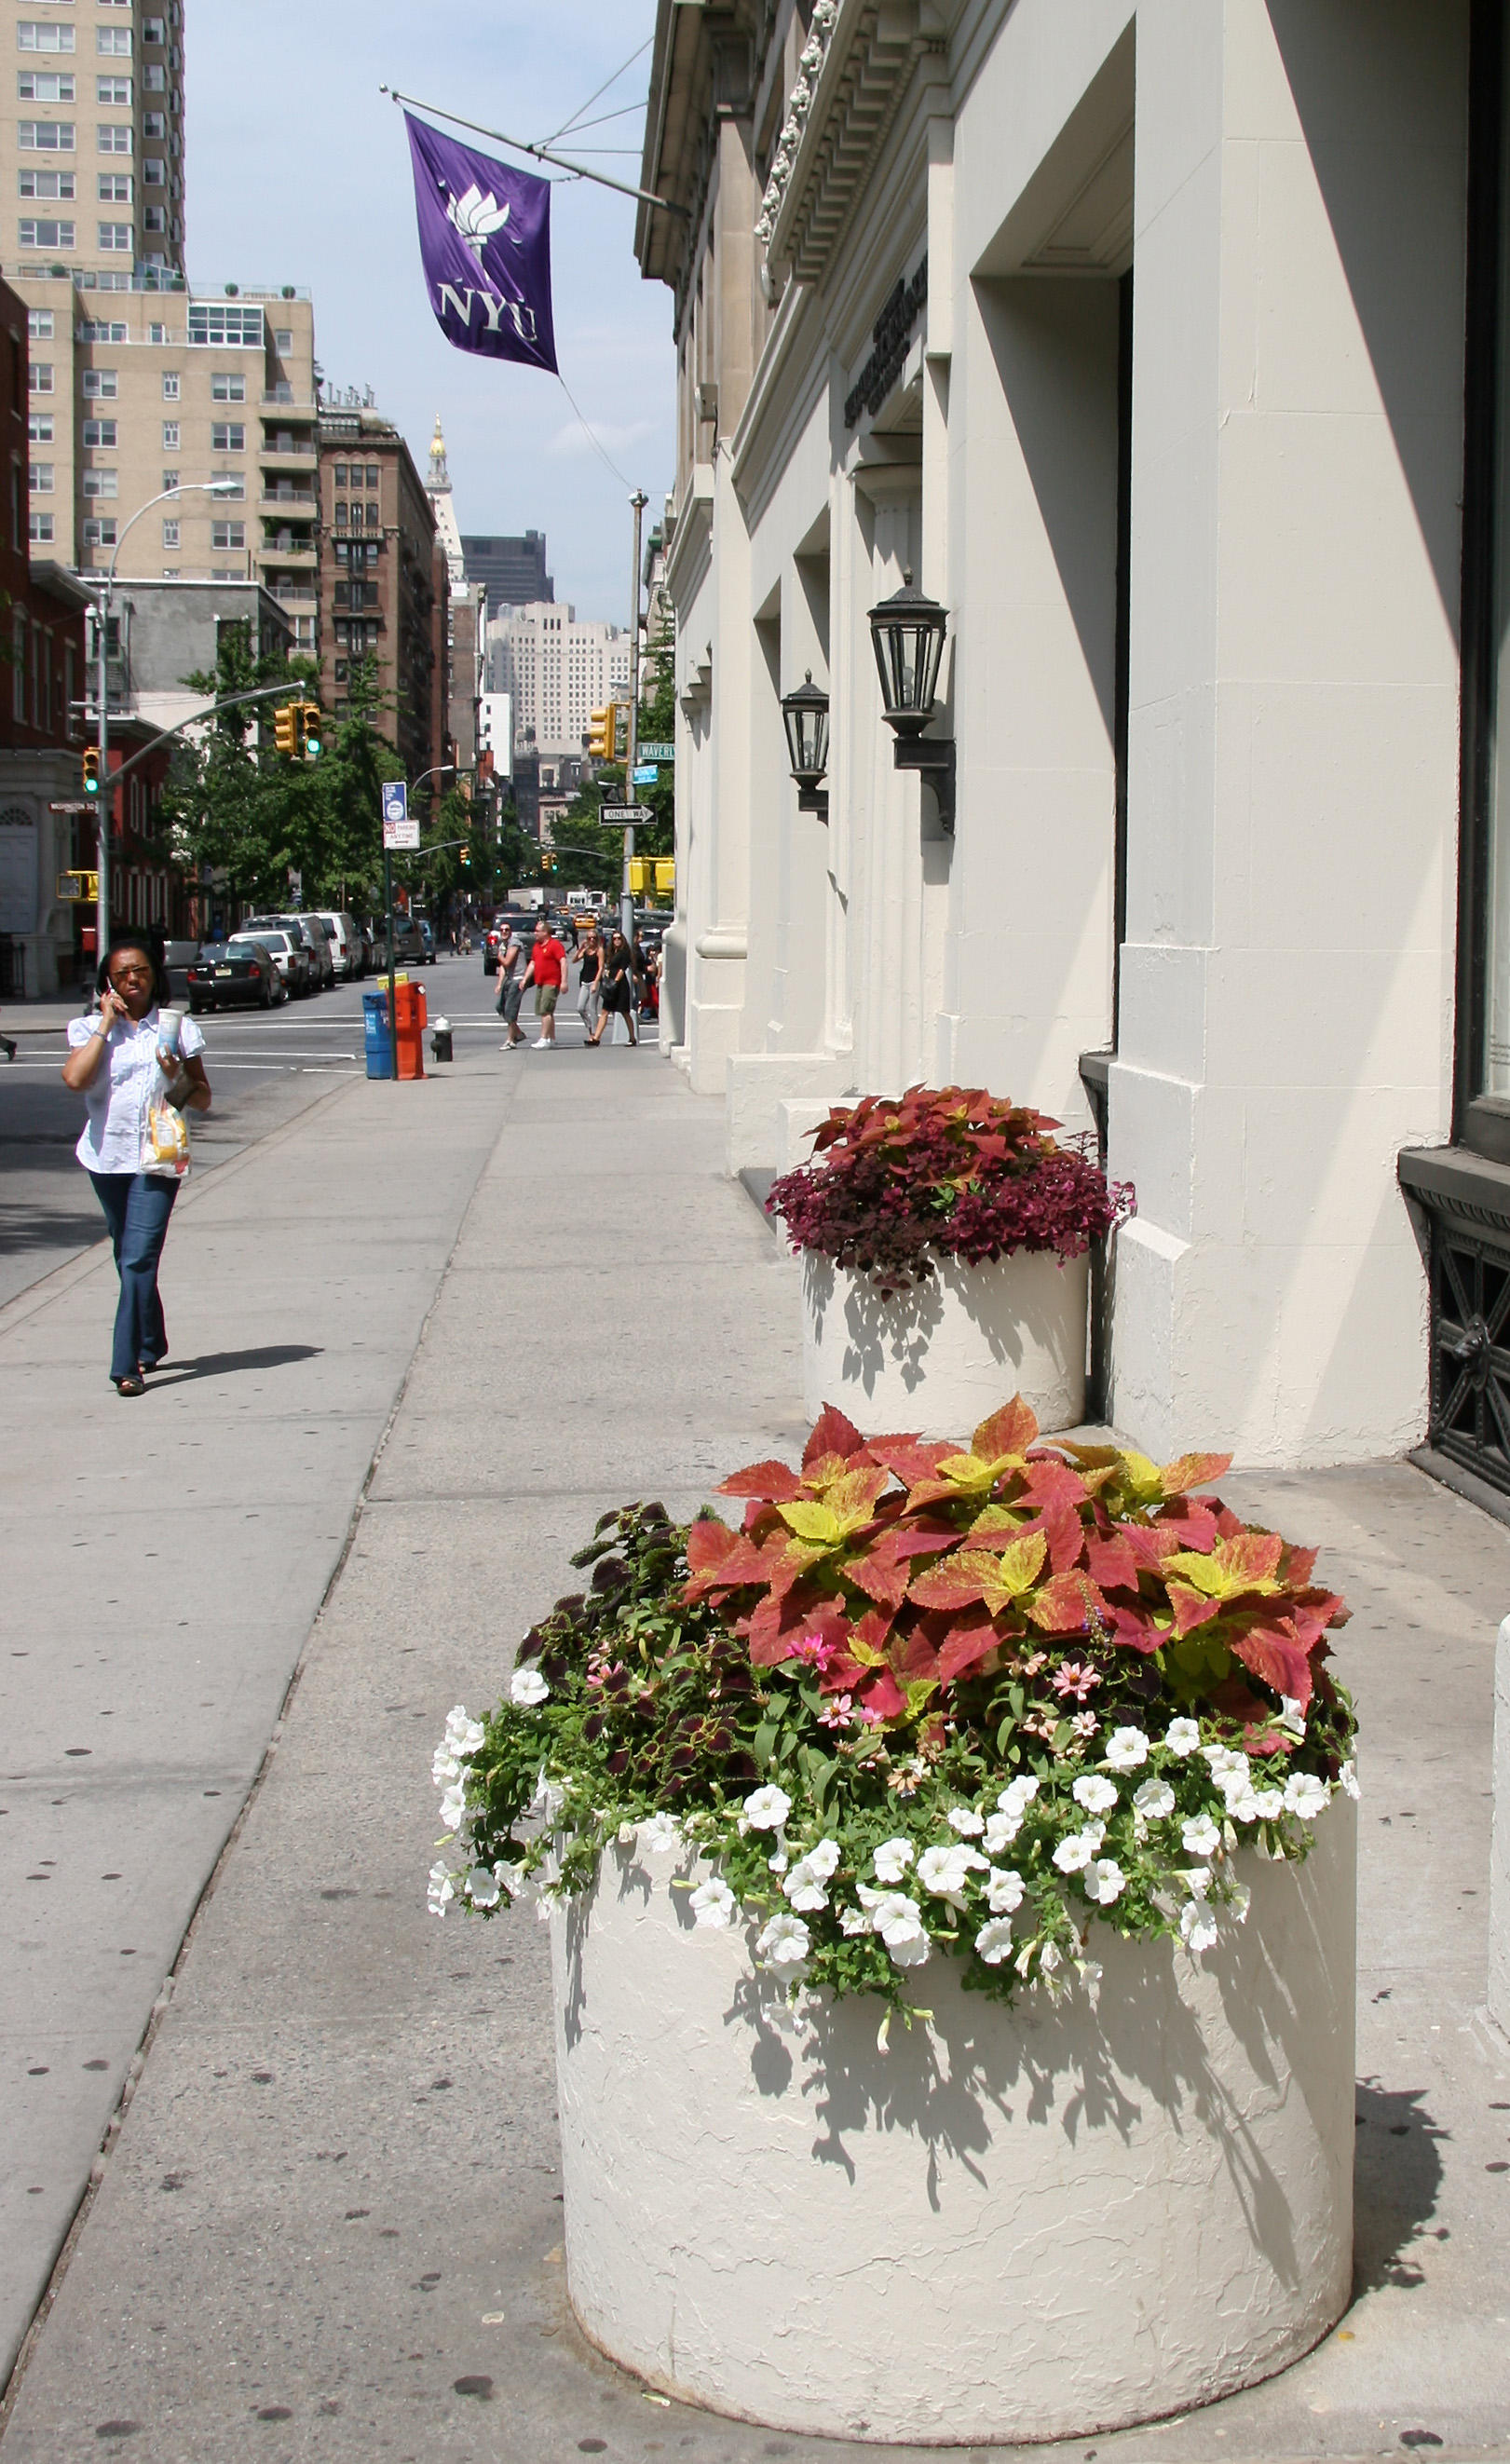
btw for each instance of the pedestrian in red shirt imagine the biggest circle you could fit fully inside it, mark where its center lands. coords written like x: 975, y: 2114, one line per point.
x: 548, y: 966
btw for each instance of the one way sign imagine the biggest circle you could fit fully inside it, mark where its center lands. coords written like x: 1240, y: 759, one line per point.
x: 630, y: 814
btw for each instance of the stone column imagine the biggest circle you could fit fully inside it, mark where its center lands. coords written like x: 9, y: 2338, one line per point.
x: 1499, y: 1853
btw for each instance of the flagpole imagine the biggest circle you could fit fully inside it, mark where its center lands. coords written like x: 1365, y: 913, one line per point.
x: 639, y: 501
x: 540, y: 153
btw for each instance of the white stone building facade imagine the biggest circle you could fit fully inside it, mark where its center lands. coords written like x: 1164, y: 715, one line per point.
x: 1141, y: 332
x: 558, y: 668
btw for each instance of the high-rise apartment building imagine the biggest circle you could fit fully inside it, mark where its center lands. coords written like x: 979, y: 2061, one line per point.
x: 92, y: 141
x: 559, y: 670
x: 511, y: 570
x: 383, y: 580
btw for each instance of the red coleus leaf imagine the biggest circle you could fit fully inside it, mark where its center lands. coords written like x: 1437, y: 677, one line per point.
x: 832, y: 1434
x: 1066, y: 1603
x: 965, y: 1645
x: 1275, y: 1651
x: 882, y: 1696
x: 1111, y: 1562
x: 771, y: 1481
x: 912, y: 1655
x: 1191, y: 1608
x: 1011, y: 1431
x: 1133, y: 1629
x: 1195, y: 1520
x: 1152, y: 1544
x: 1190, y: 1471
x: 709, y: 1545
x: 910, y: 1458
x: 1051, y: 1485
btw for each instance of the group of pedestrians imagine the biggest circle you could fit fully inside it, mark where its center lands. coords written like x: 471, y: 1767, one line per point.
x: 612, y: 979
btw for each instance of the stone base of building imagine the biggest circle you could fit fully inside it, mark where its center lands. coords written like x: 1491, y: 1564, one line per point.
x: 760, y: 1086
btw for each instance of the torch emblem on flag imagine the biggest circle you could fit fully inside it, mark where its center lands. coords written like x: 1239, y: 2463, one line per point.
x: 485, y: 239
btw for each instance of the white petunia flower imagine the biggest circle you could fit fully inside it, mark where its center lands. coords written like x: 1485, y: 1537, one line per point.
x: 899, y: 1921
x: 822, y: 1857
x: 946, y: 1871
x: 1347, y: 1781
x: 1306, y: 1794
x: 463, y: 1735
x: 1269, y: 1804
x: 767, y: 1809
x: 964, y: 1819
x: 1153, y: 1800
x: 1241, y: 1901
x: 1292, y: 1715
x: 453, y: 1806
x: 1004, y: 1890
x: 1096, y: 1794
x: 1018, y: 1794
x: 1200, y: 1837
x: 1182, y: 1737
x: 482, y: 1887
x: 441, y: 1890
x: 1105, y: 1880
x: 713, y: 1904
x: 893, y: 1858
x: 527, y: 1688
x: 1234, y: 1778
x: 1000, y: 1832
x: 853, y: 1921
x: 1049, y: 1957
x: 779, y: 1863
x: 784, y: 1941
x: 1126, y: 1750
x: 1073, y: 1854
x: 994, y: 1941
x: 804, y: 1887
x: 1196, y: 1879
x: 1197, y: 1925
x: 661, y: 1836
x: 445, y: 1768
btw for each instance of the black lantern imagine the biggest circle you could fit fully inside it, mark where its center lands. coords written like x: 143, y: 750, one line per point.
x: 805, y: 715
x: 908, y: 633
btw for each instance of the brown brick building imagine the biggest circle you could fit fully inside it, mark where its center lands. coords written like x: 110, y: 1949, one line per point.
x: 382, y: 581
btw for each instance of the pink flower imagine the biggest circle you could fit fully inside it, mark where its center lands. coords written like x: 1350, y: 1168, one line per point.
x: 837, y: 1712
x: 1085, y: 1724
x: 1075, y: 1676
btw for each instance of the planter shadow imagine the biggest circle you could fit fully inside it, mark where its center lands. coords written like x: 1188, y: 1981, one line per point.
x: 940, y: 1354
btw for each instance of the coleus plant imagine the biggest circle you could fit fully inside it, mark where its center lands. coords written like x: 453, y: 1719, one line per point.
x: 896, y: 1182
x: 927, y: 1695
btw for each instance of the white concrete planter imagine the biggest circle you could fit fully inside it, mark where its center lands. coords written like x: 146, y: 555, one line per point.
x: 1011, y: 2224
x: 942, y: 1357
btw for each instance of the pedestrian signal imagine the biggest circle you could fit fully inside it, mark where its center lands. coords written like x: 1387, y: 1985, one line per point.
x: 601, y: 734
x: 91, y: 769
x: 666, y: 876
x: 285, y: 728
x: 638, y: 875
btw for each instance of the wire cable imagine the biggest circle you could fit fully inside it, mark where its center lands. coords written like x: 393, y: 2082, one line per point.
x: 600, y: 90
x: 592, y: 435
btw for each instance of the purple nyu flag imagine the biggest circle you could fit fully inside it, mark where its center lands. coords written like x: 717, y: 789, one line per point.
x: 485, y: 238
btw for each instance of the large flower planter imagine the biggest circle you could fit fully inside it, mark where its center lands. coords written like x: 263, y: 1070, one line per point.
x: 939, y: 1357
x: 1010, y: 2224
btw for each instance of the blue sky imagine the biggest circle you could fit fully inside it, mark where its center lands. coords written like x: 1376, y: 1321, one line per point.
x: 283, y: 109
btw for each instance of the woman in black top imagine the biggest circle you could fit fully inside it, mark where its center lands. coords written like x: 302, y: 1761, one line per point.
x: 589, y: 996
x: 618, y: 983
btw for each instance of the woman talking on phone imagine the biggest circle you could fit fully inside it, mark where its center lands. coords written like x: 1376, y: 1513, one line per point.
x: 131, y: 1053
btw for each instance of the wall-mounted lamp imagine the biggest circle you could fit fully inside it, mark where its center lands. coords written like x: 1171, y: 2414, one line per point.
x: 805, y: 715
x: 908, y: 633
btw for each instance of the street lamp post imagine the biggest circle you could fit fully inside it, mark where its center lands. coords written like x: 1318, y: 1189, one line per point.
x: 105, y: 791
x: 639, y: 501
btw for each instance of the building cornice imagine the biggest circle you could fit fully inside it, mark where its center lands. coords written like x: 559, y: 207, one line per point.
x: 686, y: 558
x: 873, y: 50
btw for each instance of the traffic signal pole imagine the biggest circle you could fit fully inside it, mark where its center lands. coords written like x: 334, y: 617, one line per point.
x: 639, y: 501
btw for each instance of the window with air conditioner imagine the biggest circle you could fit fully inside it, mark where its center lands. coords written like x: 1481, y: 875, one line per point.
x: 99, y: 531
x: 102, y: 385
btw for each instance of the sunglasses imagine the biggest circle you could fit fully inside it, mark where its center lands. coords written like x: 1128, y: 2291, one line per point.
x: 130, y: 974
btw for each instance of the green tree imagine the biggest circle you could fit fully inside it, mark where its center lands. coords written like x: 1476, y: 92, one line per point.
x: 222, y: 802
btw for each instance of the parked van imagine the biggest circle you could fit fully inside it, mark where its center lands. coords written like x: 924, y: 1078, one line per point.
x: 346, y: 942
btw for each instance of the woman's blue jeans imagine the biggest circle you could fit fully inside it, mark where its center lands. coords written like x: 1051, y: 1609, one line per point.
x: 137, y: 1206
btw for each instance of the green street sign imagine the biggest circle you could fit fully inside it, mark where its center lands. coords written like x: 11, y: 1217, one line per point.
x: 656, y: 752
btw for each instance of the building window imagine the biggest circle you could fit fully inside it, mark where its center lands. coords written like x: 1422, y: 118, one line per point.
x: 45, y: 234
x: 41, y: 479
x: 44, y: 85
x: 117, y: 238
x: 171, y: 383
x: 227, y: 436
x: 30, y: 36
x: 154, y: 218
x: 41, y: 530
x: 154, y: 80
x: 170, y: 428
x: 115, y: 188
x: 154, y: 171
x: 156, y: 333
x: 154, y: 125
x: 99, y: 532
x: 110, y: 139
x: 225, y: 388
x: 170, y: 479
x: 42, y: 378
x: 113, y: 43
x: 56, y: 186
x: 154, y: 29
x: 109, y: 90
x: 45, y: 136
x: 39, y: 324
x: 39, y: 429
x: 170, y: 534
x: 100, y: 432
x: 341, y: 517
x: 96, y: 330
x: 101, y: 483
x: 218, y: 326
x: 102, y: 385
x: 228, y: 535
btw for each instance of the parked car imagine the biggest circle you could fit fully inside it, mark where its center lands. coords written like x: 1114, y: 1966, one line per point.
x: 408, y: 943
x: 427, y: 936
x: 524, y: 919
x: 290, y: 957
x: 235, y: 974
x: 318, y: 935
x: 346, y: 942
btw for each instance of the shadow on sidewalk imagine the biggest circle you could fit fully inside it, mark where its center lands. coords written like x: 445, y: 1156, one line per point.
x: 1395, y: 2188
x: 221, y: 1364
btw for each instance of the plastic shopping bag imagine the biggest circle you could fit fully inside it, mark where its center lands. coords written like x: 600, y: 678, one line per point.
x: 165, y: 1143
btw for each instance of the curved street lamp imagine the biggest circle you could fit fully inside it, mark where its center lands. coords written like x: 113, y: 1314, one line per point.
x: 805, y: 715
x: 907, y: 633
x: 191, y: 488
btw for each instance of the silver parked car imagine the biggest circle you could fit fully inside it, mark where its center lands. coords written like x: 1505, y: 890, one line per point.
x: 346, y: 942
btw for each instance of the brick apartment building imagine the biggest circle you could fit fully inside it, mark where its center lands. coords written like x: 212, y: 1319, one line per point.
x: 384, y: 581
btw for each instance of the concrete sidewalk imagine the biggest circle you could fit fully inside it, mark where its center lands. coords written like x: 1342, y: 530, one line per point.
x: 328, y: 2226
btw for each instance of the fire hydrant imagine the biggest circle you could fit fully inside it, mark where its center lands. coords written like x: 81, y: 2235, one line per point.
x: 441, y: 1040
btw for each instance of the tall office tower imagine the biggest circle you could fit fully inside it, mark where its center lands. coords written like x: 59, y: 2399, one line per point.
x: 92, y: 141
x: 558, y: 671
x: 511, y: 570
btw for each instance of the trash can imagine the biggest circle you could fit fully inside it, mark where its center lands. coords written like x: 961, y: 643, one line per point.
x: 441, y: 1041
x: 410, y: 1015
x: 375, y: 1023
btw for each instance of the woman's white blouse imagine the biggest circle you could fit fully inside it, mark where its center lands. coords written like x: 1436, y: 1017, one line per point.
x: 117, y: 1097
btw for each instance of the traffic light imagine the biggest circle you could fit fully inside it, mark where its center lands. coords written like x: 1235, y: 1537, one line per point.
x: 466, y: 859
x: 639, y: 875
x: 285, y: 727
x: 601, y: 734
x: 311, y: 724
x: 666, y: 876
x: 91, y: 769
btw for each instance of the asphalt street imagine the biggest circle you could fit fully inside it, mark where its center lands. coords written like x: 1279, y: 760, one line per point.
x: 266, y: 1068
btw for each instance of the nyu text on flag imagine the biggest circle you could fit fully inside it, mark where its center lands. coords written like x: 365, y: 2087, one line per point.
x: 484, y: 240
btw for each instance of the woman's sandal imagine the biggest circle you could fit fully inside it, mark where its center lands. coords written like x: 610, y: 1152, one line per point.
x: 135, y: 1384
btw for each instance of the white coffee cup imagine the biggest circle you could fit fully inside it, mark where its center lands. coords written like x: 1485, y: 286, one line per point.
x: 168, y: 1023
